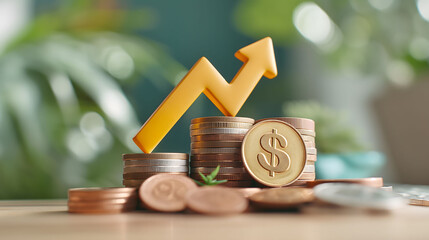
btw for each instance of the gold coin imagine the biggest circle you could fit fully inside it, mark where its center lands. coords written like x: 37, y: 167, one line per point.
x: 222, y: 119
x: 215, y: 144
x: 279, y: 198
x: 221, y: 125
x: 274, y: 153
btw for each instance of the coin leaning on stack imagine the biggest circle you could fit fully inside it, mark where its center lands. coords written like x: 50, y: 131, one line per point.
x: 306, y: 127
x: 102, y: 200
x: 216, y: 141
x: 139, y: 167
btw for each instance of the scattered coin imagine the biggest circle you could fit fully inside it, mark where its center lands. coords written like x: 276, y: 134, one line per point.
x: 222, y: 119
x: 280, y: 198
x: 221, y: 125
x: 214, y: 200
x: 415, y: 194
x: 204, y: 131
x: 358, y: 196
x: 274, y: 153
x: 249, y: 191
x: 299, y: 123
x: 372, y: 182
x: 165, y: 192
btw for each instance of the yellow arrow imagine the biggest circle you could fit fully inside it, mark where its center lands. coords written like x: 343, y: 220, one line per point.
x: 258, y: 59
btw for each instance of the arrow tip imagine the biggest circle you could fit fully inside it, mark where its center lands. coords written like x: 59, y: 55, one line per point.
x: 261, y: 52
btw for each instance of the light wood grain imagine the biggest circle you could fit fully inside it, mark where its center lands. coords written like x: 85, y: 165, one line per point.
x: 49, y: 220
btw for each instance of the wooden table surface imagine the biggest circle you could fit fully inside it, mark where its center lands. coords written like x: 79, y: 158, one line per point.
x: 49, y: 220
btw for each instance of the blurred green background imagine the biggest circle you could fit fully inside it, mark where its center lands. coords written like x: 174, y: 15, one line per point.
x: 78, y: 78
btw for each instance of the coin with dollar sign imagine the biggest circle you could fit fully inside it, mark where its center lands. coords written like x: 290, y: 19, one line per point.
x: 274, y: 153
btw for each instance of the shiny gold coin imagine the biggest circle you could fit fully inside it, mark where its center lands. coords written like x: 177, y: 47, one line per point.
x: 218, y: 137
x: 274, y: 153
x: 204, y: 131
x: 207, y: 170
x: 142, y: 156
x: 221, y: 125
x: 217, y: 157
x: 222, y: 164
x: 280, y: 198
x: 222, y: 119
x: 215, y: 150
x: 222, y: 144
x: 299, y: 123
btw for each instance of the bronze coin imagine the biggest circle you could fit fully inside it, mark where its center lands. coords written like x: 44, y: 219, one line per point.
x: 216, y: 150
x: 143, y: 156
x: 215, y: 200
x: 101, y: 197
x: 222, y: 119
x: 372, y: 182
x: 235, y: 176
x: 163, y: 169
x: 132, y: 183
x: 100, y: 193
x: 166, y: 193
x: 226, y: 170
x: 280, y: 198
x: 102, y: 203
x: 220, y: 125
x: 204, y: 131
x: 216, y: 157
x: 300, y: 123
x: 218, y: 137
x: 156, y: 162
x: 222, y: 164
x: 213, y: 144
x: 238, y: 184
x: 137, y: 176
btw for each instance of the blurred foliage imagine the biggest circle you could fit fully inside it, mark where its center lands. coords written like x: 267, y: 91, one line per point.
x: 333, y: 134
x: 64, y: 119
x: 385, y: 38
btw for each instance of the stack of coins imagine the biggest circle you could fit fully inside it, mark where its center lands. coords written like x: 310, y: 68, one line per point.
x: 102, y: 200
x: 306, y: 128
x: 217, y: 141
x: 141, y: 166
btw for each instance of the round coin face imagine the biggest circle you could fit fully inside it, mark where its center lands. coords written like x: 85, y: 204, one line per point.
x: 282, y: 197
x: 358, y: 196
x: 166, y: 193
x: 216, y: 201
x: 274, y: 153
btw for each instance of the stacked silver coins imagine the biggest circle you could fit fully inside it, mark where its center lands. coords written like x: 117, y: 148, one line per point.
x: 216, y: 141
x: 141, y: 166
x: 306, y: 127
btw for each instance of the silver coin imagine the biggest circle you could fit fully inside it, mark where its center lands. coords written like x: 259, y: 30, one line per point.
x: 358, y: 196
x: 204, y: 131
x: 215, y: 150
x: 157, y: 162
x: 134, y: 169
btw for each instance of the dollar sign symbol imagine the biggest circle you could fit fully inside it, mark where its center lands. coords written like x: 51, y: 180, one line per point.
x: 269, y: 143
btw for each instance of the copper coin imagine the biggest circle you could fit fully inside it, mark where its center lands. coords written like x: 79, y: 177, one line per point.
x: 278, y: 198
x: 222, y: 119
x: 300, y: 183
x: 132, y: 183
x: 300, y: 123
x: 110, y: 196
x: 216, y: 201
x: 99, y: 193
x: 218, y: 137
x: 166, y: 193
x: 226, y: 170
x: 216, y: 150
x: 220, y: 125
x: 137, y: 176
x: 235, y: 176
x: 216, y: 157
x: 205, y: 131
x: 157, y: 162
x: 247, y: 192
x: 372, y: 182
x: 102, y: 204
x: 213, y: 144
x: 222, y: 164
x: 238, y: 184
x: 143, y: 156
x: 163, y: 169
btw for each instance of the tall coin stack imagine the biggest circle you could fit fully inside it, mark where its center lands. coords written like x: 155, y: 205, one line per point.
x: 306, y: 127
x: 216, y: 141
x: 141, y: 166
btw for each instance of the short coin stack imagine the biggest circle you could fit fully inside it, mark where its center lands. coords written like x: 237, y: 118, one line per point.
x: 139, y: 167
x: 102, y: 200
x: 217, y: 141
x: 306, y: 127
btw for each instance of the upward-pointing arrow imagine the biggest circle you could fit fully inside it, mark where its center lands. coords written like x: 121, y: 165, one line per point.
x: 258, y: 59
